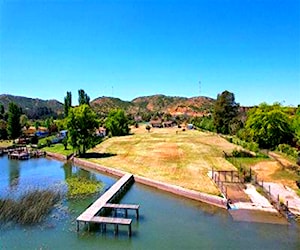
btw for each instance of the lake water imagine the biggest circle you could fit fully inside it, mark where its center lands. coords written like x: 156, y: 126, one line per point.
x: 166, y: 221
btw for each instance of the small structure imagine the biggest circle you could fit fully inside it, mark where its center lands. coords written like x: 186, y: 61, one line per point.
x: 101, y: 132
x: 190, y: 126
x: 169, y: 124
x: 156, y: 123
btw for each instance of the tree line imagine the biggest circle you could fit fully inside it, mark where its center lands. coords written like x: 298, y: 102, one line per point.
x: 266, y: 125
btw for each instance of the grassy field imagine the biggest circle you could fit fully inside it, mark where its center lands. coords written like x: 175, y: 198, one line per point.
x: 178, y: 157
x: 59, y: 148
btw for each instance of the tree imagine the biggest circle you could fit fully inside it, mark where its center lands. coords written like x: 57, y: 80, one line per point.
x: 296, y: 125
x: 24, y: 121
x: 83, y: 98
x: 81, y: 124
x: 13, y: 123
x: 269, y: 126
x: 67, y: 103
x: 3, y: 130
x: 1, y: 111
x: 225, y: 110
x: 117, y: 123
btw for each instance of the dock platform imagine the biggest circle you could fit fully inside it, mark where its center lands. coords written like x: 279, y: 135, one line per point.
x: 90, y: 215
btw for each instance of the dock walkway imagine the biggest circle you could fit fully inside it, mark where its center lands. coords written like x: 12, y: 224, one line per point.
x: 90, y: 214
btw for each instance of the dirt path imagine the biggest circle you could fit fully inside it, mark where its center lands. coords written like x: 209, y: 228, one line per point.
x: 285, y: 195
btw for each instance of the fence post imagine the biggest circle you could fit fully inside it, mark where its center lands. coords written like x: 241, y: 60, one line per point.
x: 212, y: 173
x: 269, y: 190
x: 287, y: 204
x: 262, y: 183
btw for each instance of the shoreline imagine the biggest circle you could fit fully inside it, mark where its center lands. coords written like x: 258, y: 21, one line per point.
x: 177, y: 190
x: 170, y: 188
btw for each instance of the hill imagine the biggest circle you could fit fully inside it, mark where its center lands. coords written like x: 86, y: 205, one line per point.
x: 34, y: 108
x: 196, y: 106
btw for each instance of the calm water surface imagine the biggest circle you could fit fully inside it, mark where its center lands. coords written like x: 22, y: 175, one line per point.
x: 166, y: 221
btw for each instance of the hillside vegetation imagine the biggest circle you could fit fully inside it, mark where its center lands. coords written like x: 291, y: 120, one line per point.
x: 36, y: 108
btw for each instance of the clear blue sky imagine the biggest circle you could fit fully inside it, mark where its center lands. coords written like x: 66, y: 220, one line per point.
x: 133, y: 48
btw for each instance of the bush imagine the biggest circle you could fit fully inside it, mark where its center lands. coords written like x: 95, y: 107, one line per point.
x: 298, y: 184
x: 288, y: 150
x: 241, y: 153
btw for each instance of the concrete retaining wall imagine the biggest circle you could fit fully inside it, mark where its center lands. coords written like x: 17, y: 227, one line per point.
x: 206, y: 198
x: 57, y: 156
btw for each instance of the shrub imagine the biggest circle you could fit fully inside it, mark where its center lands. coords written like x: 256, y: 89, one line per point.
x: 298, y: 184
x: 287, y: 149
x: 241, y: 153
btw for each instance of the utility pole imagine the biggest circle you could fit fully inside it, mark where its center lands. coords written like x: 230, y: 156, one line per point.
x: 199, y: 88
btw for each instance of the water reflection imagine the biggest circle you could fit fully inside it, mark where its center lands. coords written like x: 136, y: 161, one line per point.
x: 14, y: 173
x: 71, y: 171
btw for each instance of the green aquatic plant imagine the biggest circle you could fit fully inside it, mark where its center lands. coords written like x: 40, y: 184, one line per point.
x: 78, y: 186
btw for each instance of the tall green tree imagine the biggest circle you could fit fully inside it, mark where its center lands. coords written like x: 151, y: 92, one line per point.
x: 67, y: 103
x: 225, y: 110
x: 269, y: 126
x: 117, y: 123
x: 3, y: 130
x: 13, y: 122
x: 81, y: 124
x: 83, y: 98
x: 1, y: 111
x: 296, y: 125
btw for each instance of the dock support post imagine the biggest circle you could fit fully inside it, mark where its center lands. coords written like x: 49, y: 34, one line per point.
x: 129, y: 230
x: 126, y: 213
x: 137, y: 214
x: 116, y: 229
x: 77, y: 226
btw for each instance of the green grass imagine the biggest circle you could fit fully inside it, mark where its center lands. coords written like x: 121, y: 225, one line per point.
x: 285, y: 174
x: 248, y: 161
x: 59, y: 149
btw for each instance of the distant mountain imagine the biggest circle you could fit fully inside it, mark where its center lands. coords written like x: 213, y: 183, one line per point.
x: 174, y: 105
x: 102, y: 105
x: 196, y: 106
x: 34, y: 108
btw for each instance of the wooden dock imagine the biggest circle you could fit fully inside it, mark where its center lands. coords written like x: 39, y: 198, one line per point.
x: 90, y: 215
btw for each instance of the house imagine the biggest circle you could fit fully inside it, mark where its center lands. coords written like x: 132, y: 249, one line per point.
x: 31, y: 131
x: 169, y: 124
x: 156, y: 123
x: 101, y: 132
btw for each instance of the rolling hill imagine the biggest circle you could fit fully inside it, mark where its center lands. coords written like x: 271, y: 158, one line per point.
x: 36, y: 108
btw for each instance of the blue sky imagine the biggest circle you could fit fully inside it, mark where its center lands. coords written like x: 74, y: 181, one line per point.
x: 127, y: 49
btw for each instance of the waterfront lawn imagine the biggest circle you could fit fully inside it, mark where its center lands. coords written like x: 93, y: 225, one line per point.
x: 59, y: 148
x: 168, y: 154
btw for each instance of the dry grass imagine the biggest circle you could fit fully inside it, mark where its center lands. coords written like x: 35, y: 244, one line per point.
x: 170, y: 155
x: 5, y: 143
